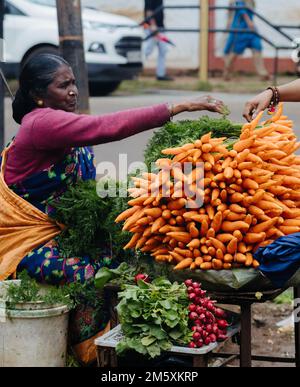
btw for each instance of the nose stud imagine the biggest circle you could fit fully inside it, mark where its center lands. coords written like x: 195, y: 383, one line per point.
x: 71, y: 93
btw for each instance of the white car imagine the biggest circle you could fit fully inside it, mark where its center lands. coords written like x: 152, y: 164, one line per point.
x: 113, y: 43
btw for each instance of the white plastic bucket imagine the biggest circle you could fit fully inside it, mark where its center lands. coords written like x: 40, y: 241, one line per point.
x: 33, y: 334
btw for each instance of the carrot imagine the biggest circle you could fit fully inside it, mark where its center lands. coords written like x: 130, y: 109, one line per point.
x: 232, y: 226
x: 217, y: 264
x: 176, y: 204
x: 198, y: 261
x: 250, y: 184
x: 240, y: 258
x: 289, y: 229
x: 180, y: 236
x: 252, y: 238
x: 264, y: 225
x: 237, y: 208
x: 204, y: 228
x: 184, y: 264
x: 232, y: 217
x: 219, y: 254
x: 194, y: 244
x: 157, y: 224
x: 133, y: 241
x: 184, y: 252
x: 241, y: 145
x: 238, y: 235
x: 249, y: 260
x: 232, y: 246
x: 236, y: 198
x: 218, y: 244
x: 255, y: 264
x: 217, y: 221
x: 176, y: 256
x: 206, y: 266
x: 228, y: 173
x: 127, y: 213
x: 193, y: 230
x: 211, y: 233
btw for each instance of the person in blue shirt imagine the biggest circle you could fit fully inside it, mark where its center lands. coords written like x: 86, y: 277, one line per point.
x: 238, y: 42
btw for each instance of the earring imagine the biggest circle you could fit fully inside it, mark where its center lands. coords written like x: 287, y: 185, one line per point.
x: 40, y: 102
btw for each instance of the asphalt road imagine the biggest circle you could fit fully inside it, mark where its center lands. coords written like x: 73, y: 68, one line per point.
x: 134, y: 146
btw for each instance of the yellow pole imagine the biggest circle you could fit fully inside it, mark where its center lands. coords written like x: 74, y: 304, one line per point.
x: 203, y: 41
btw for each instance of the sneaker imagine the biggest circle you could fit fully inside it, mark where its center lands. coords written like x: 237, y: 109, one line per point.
x: 165, y: 78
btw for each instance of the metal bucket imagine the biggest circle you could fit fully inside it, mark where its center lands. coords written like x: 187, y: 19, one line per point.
x: 33, y: 334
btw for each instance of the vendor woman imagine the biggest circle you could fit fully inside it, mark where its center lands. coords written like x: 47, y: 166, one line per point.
x: 50, y: 152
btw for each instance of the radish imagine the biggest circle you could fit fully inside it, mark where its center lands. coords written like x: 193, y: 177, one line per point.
x: 193, y: 316
x: 143, y: 277
x: 222, y: 324
x: 196, y: 336
x: 192, y: 345
x: 193, y: 308
x: 188, y: 282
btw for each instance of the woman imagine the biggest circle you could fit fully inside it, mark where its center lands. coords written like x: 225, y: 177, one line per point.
x: 270, y: 97
x: 50, y: 152
x: 238, y: 42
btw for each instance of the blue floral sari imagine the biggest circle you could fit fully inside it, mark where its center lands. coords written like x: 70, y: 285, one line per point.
x: 46, y: 263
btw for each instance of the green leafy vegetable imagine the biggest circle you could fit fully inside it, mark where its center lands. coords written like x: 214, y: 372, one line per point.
x: 178, y: 133
x: 153, y: 316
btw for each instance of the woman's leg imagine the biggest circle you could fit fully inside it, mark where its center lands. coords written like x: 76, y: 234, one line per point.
x: 229, y: 60
x: 259, y: 64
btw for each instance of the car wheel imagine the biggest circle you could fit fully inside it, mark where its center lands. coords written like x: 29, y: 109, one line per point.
x: 102, y: 88
x: 40, y: 50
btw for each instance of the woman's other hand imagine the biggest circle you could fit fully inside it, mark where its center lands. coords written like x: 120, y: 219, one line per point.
x: 257, y: 104
x: 201, y: 103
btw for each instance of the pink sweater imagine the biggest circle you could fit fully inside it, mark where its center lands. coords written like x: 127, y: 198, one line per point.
x: 45, y: 135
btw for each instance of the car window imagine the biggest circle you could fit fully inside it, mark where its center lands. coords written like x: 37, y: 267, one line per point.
x: 10, y: 9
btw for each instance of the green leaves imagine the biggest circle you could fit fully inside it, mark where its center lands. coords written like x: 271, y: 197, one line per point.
x: 177, y: 133
x: 153, y: 316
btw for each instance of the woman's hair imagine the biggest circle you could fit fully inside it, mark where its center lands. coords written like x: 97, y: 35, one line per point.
x: 35, y: 77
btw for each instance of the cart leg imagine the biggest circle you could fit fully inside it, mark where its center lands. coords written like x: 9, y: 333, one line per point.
x: 245, y: 346
x: 200, y: 361
x: 297, y: 329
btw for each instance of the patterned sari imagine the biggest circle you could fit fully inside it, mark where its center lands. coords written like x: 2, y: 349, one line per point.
x: 46, y: 263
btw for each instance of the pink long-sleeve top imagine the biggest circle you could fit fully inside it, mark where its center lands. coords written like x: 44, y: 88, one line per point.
x: 45, y: 135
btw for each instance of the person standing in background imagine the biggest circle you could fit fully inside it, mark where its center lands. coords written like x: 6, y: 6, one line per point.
x: 237, y: 42
x: 155, y: 22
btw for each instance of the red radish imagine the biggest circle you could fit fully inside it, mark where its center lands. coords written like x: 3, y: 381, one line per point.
x: 143, y: 277
x: 213, y: 338
x: 190, y: 289
x: 199, y: 343
x: 193, y: 316
x: 196, y: 336
x: 192, y: 308
x: 207, y: 341
x: 194, y: 328
x: 188, y: 282
x: 222, y: 337
x: 196, y: 285
x: 220, y: 313
x: 222, y: 324
x: 192, y: 296
x: 192, y: 345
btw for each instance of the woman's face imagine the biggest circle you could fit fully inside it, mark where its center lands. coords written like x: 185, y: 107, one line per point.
x: 62, y: 93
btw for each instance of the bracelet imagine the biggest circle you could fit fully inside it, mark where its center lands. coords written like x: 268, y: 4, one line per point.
x: 275, y: 98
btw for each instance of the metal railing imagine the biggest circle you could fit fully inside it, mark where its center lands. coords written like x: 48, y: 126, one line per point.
x: 277, y: 28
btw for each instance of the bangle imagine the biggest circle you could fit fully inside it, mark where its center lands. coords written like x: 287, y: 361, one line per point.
x: 275, y: 98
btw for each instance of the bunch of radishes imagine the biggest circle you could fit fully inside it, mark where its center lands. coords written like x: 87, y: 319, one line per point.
x: 208, y: 322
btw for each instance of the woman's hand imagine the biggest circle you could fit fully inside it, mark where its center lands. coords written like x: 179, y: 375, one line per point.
x: 257, y: 104
x: 198, y: 104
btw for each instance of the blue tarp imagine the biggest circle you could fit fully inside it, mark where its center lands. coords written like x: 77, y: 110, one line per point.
x: 280, y: 260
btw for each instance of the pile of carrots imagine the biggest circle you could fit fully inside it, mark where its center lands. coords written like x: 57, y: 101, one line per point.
x: 251, y: 197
